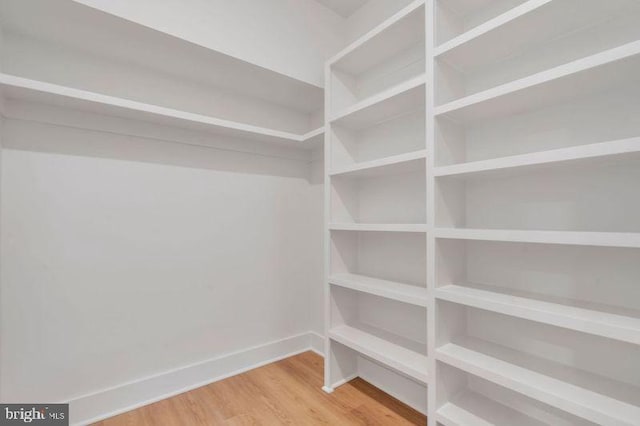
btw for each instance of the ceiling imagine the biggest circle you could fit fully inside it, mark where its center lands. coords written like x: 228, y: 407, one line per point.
x: 343, y: 8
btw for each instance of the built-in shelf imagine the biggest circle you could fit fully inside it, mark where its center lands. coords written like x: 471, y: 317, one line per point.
x: 379, y: 227
x: 375, y: 193
x: 518, y: 28
x: 411, y: 363
x: 601, y: 320
x: 400, y: 99
x: 389, y: 289
x: 622, y: 149
x: 386, y: 39
x: 37, y: 91
x: 586, y: 395
x: 471, y: 408
x: 602, y: 239
x: 616, y: 66
x: 507, y: 22
x: 402, y: 163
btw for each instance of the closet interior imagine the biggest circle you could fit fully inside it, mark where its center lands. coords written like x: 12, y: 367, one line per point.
x: 480, y: 165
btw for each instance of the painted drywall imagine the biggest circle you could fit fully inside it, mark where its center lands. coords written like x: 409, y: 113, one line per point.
x: 127, y: 257
x: 292, y: 37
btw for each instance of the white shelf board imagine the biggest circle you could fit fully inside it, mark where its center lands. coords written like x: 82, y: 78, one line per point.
x: 402, y: 163
x: 37, y: 91
x: 588, y: 154
x: 496, y: 26
x: 515, y: 30
x: 602, y: 239
x: 471, y: 408
x: 591, y: 397
x: 408, y: 362
x: 395, y: 101
x: 379, y: 227
x: 389, y: 289
x: 399, y: 32
x: 606, y: 321
x: 617, y: 66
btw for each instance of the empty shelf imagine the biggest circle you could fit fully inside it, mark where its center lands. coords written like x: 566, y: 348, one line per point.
x: 514, y: 31
x: 391, y: 290
x: 614, y: 323
x: 53, y: 94
x: 403, y: 98
x: 411, y: 161
x: 395, y: 34
x: 395, y: 356
x: 617, y: 66
x: 588, y: 154
x: 602, y: 239
x: 379, y: 227
x: 591, y: 397
x: 471, y: 408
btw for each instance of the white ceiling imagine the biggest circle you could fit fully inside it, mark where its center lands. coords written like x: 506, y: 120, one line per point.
x: 343, y: 7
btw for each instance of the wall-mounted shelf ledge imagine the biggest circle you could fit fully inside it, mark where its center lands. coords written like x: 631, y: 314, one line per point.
x: 591, y: 153
x: 403, y: 98
x: 602, y: 239
x: 401, y: 163
x: 37, y: 91
x: 379, y: 227
x: 591, y: 397
x: 408, y: 362
x: 549, y: 87
x: 605, y: 321
x: 389, y: 289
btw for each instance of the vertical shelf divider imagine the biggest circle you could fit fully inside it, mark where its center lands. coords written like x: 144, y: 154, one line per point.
x: 430, y: 23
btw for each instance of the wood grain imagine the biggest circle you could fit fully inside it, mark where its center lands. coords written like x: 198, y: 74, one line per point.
x: 287, y: 392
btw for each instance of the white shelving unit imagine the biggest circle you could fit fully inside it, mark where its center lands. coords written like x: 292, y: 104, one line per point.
x: 534, y: 247
x: 376, y: 213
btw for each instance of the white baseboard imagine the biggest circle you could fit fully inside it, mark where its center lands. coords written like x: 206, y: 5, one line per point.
x: 317, y: 343
x: 128, y: 396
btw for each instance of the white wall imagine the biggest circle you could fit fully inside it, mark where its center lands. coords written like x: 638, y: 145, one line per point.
x: 127, y: 257
x: 292, y: 37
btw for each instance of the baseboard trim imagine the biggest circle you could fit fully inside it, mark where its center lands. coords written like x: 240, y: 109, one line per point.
x: 317, y: 343
x: 129, y: 396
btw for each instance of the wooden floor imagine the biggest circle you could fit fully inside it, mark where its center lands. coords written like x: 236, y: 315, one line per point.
x: 286, y: 392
